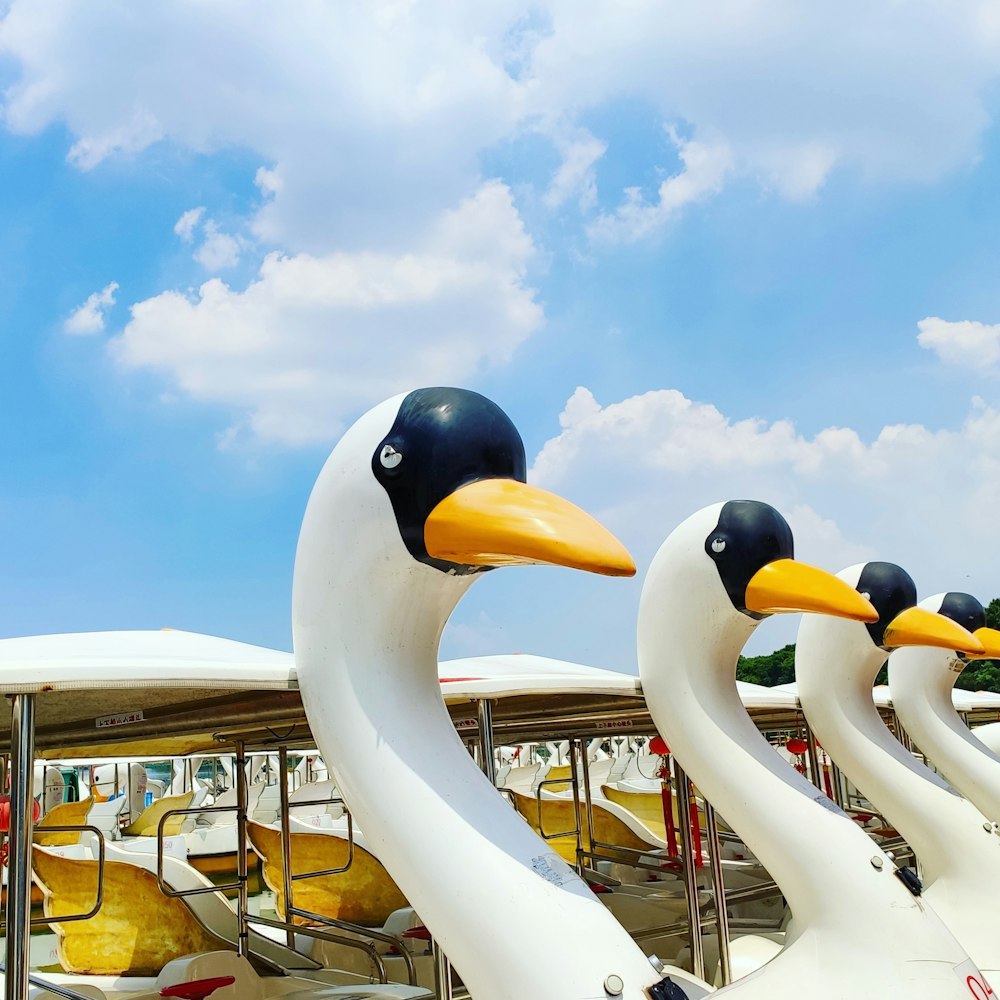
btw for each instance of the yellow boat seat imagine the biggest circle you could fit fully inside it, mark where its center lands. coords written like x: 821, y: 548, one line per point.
x: 67, y: 814
x: 561, y: 771
x: 559, y: 815
x: 137, y: 929
x: 647, y: 807
x: 148, y: 820
x: 364, y: 894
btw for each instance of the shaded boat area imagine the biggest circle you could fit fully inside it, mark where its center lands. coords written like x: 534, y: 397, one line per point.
x: 306, y: 906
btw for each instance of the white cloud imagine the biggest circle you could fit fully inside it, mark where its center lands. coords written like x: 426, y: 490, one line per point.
x: 371, y: 123
x: 186, y: 226
x: 269, y: 182
x: 965, y: 344
x: 703, y: 174
x: 89, y: 318
x: 372, y: 119
x: 314, y: 339
x: 920, y: 497
x: 576, y: 177
x: 219, y: 250
x: 890, y: 90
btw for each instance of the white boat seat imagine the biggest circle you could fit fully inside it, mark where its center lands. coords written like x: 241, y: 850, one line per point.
x: 228, y: 799
x: 374, y: 991
x: 315, y: 792
x: 105, y: 816
x: 268, y: 805
x: 85, y: 990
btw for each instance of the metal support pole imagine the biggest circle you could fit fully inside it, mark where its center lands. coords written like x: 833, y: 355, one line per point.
x: 900, y: 733
x: 243, y: 939
x: 576, y: 753
x: 442, y: 973
x: 813, y: 758
x: 838, y: 784
x: 22, y: 765
x: 286, y: 844
x: 588, y: 809
x: 688, y: 849
x: 719, y: 893
x: 486, y: 759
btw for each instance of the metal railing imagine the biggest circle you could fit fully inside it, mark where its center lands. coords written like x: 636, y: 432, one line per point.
x: 99, y: 901
x: 181, y: 893
x: 57, y: 989
x: 292, y: 911
x: 366, y: 946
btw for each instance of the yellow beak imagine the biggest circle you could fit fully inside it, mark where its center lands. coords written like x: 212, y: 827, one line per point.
x: 990, y: 638
x: 503, y: 522
x: 920, y: 627
x: 787, y: 585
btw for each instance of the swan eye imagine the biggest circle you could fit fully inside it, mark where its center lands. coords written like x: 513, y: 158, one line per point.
x: 718, y: 545
x: 389, y: 457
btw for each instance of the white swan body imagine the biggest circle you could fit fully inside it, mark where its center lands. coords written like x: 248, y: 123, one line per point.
x: 836, y: 664
x: 856, y: 930
x: 367, y: 620
x: 921, y: 682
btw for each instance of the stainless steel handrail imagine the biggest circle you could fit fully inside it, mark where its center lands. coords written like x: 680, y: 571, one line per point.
x: 99, y: 902
x: 181, y: 893
x: 60, y: 991
x: 365, y: 946
x: 292, y: 911
x: 320, y: 832
x: 575, y: 832
x: 369, y: 932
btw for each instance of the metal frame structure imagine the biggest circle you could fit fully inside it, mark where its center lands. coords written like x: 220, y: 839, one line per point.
x: 254, y: 719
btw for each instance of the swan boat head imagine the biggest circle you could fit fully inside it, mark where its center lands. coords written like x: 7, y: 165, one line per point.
x: 714, y: 579
x: 424, y: 494
x: 833, y: 657
x: 711, y: 583
x: 718, y: 575
x: 968, y: 612
x: 921, y: 682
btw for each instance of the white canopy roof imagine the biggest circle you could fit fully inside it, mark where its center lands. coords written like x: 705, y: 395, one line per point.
x: 758, y: 696
x: 964, y: 701
x: 139, y: 659
x: 171, y: 689
x: 513, y: 674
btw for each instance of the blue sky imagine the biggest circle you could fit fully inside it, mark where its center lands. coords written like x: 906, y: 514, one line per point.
x: 690, y: 253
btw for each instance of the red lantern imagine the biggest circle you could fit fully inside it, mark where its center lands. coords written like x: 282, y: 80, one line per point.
x: 658, y: 745
x: 36, y: 811
x: 796, y: 746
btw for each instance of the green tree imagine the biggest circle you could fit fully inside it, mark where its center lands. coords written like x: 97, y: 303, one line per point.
x: 773, y: 668
x: 983, y: 675
x: 779, y: 667
x: 993, y: 613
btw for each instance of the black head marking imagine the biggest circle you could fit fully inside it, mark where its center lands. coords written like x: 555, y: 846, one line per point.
x: 964, y: 609
x: 750, y: 534
x: 443, y: 439
x: 891, y: 590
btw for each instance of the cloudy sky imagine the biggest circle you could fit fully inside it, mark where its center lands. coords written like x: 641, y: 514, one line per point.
x: 697, y: 252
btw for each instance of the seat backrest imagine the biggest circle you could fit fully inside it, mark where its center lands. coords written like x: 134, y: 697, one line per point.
x: 68, y: 814
x: 148, y: 821
x: 228, y: 799
x: 559, y: 816
x: 364, y: 894
x: 104, y: 815
x: 209, y: 965
x: 268, y: 805
x: 118, y: 939
x: 315, y: 792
